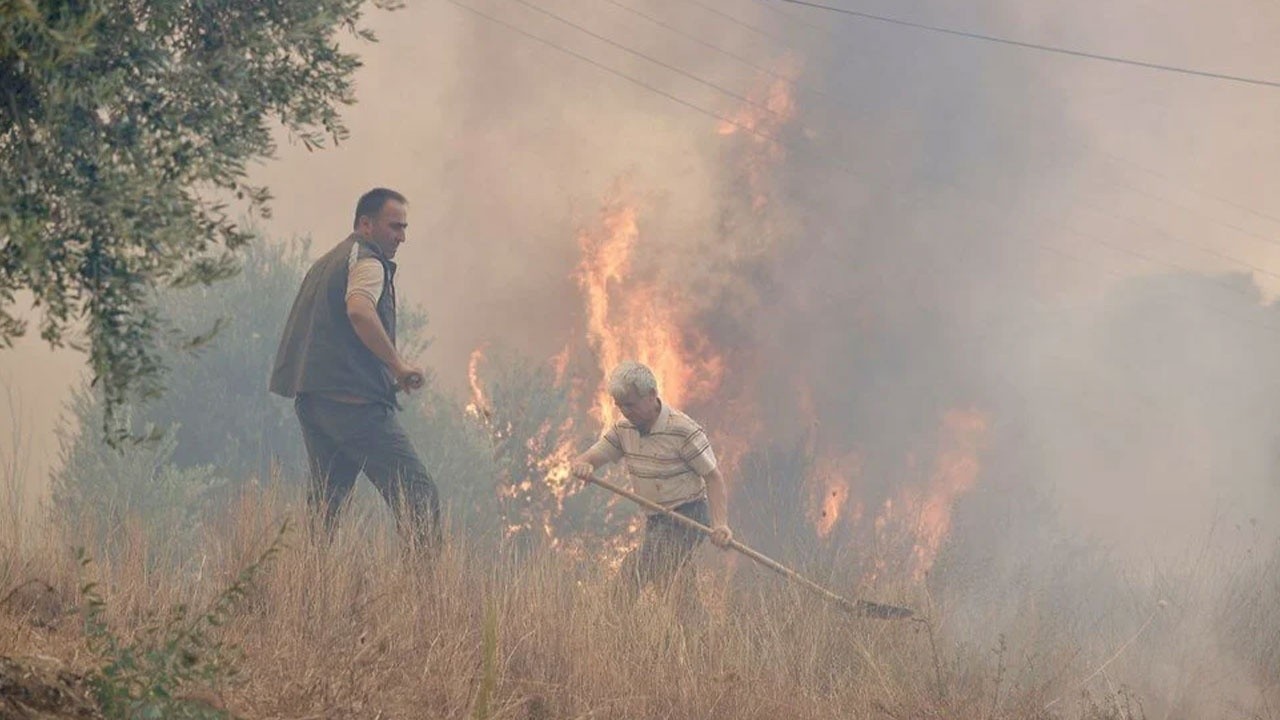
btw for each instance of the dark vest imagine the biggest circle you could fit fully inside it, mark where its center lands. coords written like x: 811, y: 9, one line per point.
x: 319, y: 351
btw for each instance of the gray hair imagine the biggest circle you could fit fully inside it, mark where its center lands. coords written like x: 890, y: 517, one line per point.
x: 631, y: 375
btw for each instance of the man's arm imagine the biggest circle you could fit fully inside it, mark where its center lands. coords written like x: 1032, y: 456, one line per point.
x: 697, y: 454
x: 364, y: 320
x: 718, y: 507
x: 602, y: 453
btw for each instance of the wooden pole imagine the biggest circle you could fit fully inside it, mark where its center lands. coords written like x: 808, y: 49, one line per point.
x: 857, y: 607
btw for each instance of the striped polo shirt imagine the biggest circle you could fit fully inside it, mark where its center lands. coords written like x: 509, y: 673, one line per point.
x: 666, y: 464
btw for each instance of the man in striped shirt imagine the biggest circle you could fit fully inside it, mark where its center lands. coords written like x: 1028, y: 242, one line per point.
x: 669, y: 460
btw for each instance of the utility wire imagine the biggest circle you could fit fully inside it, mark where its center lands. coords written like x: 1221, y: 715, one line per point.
x: 784, y: 44
x: 856, y: 112
x: 852, y: 173
x: 660, y: 63
x: 1034, y: 46
x: 1114, y: 246
x: 595, y: 63
x: 1143, y: 398
x: 712, y: 46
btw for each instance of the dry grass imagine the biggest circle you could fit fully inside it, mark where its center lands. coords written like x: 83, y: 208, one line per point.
x: 366, y: 630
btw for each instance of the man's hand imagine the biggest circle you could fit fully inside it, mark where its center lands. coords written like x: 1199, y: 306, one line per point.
x: 368, y: 327
x: 409, y: 378
x: 721, y: 536
x: 583, y: 471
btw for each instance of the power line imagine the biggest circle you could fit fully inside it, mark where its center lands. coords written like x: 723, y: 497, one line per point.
x: 852, y: 173
x: 595, y: 63
x: 1144, y: 397
x: 784, y: 44
x: 768, y: 5
x: 1207, y: 250
x: 1034, y: 46
x: 1198, y: 191
x: 857, y: 112
x: 712, y: 46
x: 660, y: 63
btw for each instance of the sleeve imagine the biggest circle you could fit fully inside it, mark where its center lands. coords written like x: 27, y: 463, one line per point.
x: 365, y: 277
x: 608, y: 447
x: 696, y: 453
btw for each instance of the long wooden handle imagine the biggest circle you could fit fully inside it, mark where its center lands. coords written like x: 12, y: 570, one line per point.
x: 858, y: 607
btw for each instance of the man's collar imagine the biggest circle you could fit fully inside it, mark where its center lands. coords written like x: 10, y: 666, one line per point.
x: 373, y: 248
x: 664, y: 418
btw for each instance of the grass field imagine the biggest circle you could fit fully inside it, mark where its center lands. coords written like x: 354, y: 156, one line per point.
x: 366, y: 629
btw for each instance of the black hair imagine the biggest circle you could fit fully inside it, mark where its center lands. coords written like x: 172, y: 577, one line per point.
x: 370, y: 203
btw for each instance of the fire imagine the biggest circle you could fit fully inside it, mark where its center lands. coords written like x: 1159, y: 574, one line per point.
x: 770, y: 110
x: 478, y: 405
x: 772, y: 106
x: 631, y: 314
x: 956, y: 468
x: 639, y: 320
x: 837, y: 493
x: 626, y: 317
x: 920, y: 512
x: 560, y: 365
x: 833, y: 476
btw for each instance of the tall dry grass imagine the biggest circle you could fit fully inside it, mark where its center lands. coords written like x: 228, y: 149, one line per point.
x: 365, y: 629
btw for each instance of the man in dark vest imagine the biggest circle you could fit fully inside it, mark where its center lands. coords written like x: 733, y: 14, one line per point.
x: 338, y: 360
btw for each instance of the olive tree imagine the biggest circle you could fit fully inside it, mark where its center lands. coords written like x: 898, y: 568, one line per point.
x: 126, y: 127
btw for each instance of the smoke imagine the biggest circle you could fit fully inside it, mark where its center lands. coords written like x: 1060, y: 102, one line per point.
x: 890, y: 231
x: 941, y: 225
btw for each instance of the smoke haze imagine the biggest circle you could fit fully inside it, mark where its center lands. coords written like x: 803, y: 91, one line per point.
x: 899, y: 242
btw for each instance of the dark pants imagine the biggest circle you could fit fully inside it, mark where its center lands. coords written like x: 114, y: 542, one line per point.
x: 343, y: 439
x: 666, y: 550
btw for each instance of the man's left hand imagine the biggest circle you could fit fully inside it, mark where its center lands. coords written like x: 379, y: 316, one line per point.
x: 721, y: 536
x: 583, y: 471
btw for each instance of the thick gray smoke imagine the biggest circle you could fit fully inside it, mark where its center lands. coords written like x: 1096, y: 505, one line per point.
x: 942, y: 227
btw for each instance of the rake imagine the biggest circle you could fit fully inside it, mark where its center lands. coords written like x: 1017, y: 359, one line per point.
x: 862, y: 608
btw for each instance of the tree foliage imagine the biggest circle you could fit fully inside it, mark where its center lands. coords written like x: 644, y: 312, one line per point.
x: 126, y: 127
x: 217, y: 411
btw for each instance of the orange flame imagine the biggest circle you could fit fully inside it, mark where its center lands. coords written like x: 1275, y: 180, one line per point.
x: 923, y: 511
x: 833, y: 476
x: 478, y: 406
x: 632, y: 319
x: 956, y: 468
x: 760, y: 122
x: 629, y: 315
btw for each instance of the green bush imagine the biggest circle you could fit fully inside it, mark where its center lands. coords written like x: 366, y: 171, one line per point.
x: 139, y: 482
x: 159, y: 670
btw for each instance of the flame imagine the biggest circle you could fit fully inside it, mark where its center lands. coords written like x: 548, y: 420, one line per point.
x: 478, y: 406
x: 920, y: 512
x: 630, y: 314
x: 834, y: 475
x: 640, y: 320
x: 956, y: 468
x: 771, y: 106
x: 760, y: 122
x: 837, y: 493
x: 560, y: 365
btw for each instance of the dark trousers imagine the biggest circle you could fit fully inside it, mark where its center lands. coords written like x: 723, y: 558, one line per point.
x: 344, y: 439
x: 663, y: 554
